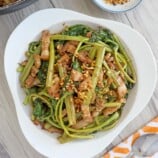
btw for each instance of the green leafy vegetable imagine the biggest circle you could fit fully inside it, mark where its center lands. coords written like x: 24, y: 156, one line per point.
x: 34, y: 47
x: 37, y: 110
x: 77, y: 30
x: 42, y: 74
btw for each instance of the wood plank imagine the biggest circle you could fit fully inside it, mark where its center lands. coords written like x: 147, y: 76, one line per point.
x: 11, y: 136
x: 89, y: 8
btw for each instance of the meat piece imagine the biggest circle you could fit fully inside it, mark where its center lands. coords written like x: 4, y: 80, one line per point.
x: 34, y: 71
x: 37, y: 61
x: 110, y: 61
x: 86, y: 84
x: 59, y: 49
x: 36, y: 82
x: 100, y: 80
x: 23, y: 63
x: 55, y: 88
x: 45, y: 45
x: 75, y: 43
x: 83, y: 57
x: 107, y: 56
x: 89, y: 34
x: 76, y: 75
x: 122, y: 89
x: 85, y: 67
x: 78, y: 102
x: 82, y: 123
x: 69, y: 47
x: 109, y: 111
x: 36, y: 122
x: 36, y: 66
x: 64, y: 60
x: 70, y: 86
x: 100, y: 105
x: 29, y: 81
x: 55, y: 130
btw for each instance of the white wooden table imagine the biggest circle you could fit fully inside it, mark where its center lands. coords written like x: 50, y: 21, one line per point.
x: 144, y: 18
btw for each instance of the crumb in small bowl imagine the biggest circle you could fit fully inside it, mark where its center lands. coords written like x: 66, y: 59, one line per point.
x: 116, y: 2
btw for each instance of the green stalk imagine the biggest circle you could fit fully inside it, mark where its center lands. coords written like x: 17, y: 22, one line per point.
x: 50, y: 66
x: 112, y: 104
x: 110, y: 73
x: 77, y: 49
x: 123, y: 51
x: 26, y: 70
x: 98, y: 67
x: 66, y: 128
x: 107, y: 122
x: 70, y: 108
x: 100, y: 44
x: 92, y: 53
x: 66, y: 37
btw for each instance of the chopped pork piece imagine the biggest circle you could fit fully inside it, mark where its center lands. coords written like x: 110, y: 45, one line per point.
x: 89, y: 34
x: 83, y: 57
x: 54, y: 89
x: 109, y: 111
x: 86, y: 84
x: 54, y: 130
x: 69, y: 47
x: 100, y: 80
x: 122, y: 89
x: 64, y: 60
x: 29, y: 81
x: 34, y: 71
x: 76, y: 75
x: 37, y: 61
x: 100, y: 105
x: 24, y: 63
x: 82, y: 123
x: 45, y: 45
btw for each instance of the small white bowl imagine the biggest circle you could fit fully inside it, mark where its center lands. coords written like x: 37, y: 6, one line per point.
x: 53, y: 19
x: 117, y: 8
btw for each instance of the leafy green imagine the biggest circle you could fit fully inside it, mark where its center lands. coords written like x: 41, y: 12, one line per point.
x: 37, y: 110
x: 76, y: 66
x: 53, y: 102
x: 101, y: 35
x: 129, y: 85
x: 111, y: 98
x: 34, y: 47
x: 42, y: 74
x: 77, y: 30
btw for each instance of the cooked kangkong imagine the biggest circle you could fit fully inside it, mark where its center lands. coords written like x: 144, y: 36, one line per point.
x: 77, y: 81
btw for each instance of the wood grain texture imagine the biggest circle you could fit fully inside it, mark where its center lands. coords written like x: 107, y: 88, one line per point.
x: 143, y: 18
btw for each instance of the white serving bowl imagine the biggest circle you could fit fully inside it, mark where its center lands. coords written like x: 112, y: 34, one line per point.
x: 117, y: 8
x: 53, y: 19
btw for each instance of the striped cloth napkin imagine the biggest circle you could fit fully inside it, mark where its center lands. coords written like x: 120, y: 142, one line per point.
x: 124, y: 149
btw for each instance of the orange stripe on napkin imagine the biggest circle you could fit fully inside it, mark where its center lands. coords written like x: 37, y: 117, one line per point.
x: 149, y: 129
x: 155, y: 120
x: 121, y: 150
x: 107, y: 155
x: 135, y: 137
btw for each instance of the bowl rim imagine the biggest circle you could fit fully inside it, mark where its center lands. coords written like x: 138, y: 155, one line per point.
x: 112, y: 11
